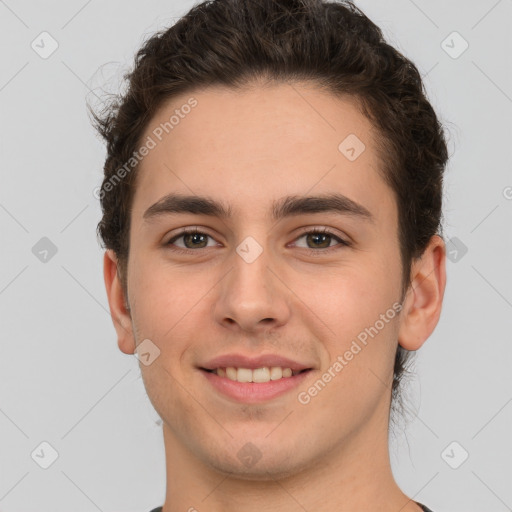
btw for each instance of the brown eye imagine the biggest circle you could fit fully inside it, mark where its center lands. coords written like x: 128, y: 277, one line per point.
x: 321, y: 239
x: 195, y: 240
x: 192, y: 239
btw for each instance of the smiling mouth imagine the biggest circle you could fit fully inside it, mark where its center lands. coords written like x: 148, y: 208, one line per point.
x: 258, y: 375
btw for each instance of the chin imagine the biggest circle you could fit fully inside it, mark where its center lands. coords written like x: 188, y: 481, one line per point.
x: 259, y: 472
x: 247, y: 462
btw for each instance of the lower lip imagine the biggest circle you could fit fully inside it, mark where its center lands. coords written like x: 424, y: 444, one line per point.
x: 254, y: 392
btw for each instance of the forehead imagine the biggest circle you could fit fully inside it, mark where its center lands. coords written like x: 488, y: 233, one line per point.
x: 260, y: 143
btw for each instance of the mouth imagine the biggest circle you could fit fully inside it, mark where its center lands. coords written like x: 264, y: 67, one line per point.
x: 254, y: 386
x: 258, y: 375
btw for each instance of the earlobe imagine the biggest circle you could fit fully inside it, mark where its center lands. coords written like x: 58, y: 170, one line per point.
x: 424, y: 299
x: 117, y: 301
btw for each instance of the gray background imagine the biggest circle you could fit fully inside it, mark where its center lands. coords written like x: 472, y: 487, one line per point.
x: 63, y: 379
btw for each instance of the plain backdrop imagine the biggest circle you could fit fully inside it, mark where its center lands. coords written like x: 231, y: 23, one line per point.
x: 63, y: 381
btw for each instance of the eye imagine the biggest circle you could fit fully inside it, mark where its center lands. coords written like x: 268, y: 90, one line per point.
x: 192, y: 239
x: 321, y: 239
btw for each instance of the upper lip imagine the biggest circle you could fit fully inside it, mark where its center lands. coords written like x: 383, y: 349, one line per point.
x: 242, y: 361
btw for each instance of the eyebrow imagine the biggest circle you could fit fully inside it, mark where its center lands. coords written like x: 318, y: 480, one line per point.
x: 285, y: 207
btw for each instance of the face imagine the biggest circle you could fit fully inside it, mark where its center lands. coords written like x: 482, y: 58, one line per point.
x: 312, y: 284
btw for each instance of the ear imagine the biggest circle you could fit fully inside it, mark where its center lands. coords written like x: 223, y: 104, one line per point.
x: 424, y: 298
x: 117, y: 301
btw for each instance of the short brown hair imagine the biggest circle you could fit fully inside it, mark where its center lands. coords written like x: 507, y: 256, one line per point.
x: 334, y: 45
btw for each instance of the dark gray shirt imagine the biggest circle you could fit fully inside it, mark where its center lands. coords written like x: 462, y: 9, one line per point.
x: 424, y: 508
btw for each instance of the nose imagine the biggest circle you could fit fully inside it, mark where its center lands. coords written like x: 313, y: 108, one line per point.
x: 252, y: 298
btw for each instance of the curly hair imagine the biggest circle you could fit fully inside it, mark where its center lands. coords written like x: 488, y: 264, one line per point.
x: 333, y: 45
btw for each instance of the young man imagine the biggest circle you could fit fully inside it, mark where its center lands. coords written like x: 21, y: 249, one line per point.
x: 272, y: 201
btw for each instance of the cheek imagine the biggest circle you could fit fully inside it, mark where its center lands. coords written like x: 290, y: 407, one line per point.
x: 172, y: 309
x: 360, y: 309
x: 161, y: 296
x: 350, y: 298
x: 359, y: 305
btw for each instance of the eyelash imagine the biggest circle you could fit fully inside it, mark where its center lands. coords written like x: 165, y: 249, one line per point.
x: 315, y: 231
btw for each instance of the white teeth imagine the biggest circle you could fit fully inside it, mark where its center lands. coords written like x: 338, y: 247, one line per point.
x: 265, y: 374
x: 230, y: 373
x: 287, y: 372
x: 244, y: 375
x: 276, y: 372
x: 260, y: 375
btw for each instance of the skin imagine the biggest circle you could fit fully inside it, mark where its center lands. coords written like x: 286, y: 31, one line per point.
x: 246, y: 149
